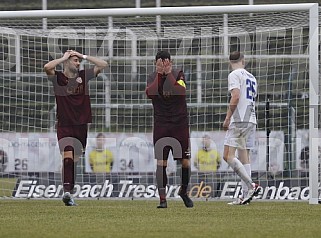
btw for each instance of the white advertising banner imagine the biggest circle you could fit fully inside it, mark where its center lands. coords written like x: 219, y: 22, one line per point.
x: 132, y: 152
x: 302, y: 149
x: 30, y: 152
x: 257, y: 155
x: 39, y: 152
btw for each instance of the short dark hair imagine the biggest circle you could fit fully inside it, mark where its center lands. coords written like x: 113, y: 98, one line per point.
x: 162, y: 54
x: 236, y: 56
x: 206, y: 136
x: 100, y: 135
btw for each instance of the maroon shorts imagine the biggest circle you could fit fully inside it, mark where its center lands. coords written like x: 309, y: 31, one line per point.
x: 171, y: 138
x: 72, y: 138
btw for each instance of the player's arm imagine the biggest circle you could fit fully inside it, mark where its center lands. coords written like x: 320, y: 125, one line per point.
x: 235, y: 97
x: 178, y: 86
x: 218, y: 160
x: 196, y: 161
x: 99, y: 64
x: 112, y: 161
x: 51, y: 65
x: 91, y: 160
x: 153, y: 85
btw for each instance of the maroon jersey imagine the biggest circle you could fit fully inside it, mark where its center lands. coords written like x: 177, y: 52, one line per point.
x: 168, y: 94
x: 72, y: 98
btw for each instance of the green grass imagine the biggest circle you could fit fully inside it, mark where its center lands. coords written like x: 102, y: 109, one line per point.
x: 125, y: 218
x: 7, y: 186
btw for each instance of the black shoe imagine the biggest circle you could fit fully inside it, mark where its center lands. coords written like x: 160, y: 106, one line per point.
x: 187, y: 201
x: 162, y: 204
x: 68, y: 200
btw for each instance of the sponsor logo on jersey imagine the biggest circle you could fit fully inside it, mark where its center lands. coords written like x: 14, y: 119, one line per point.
x: 79, y: 80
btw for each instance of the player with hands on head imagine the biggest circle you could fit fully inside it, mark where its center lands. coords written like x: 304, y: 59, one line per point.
x: 240, y: 125
x: 167, y: 90
x: 73, y: 110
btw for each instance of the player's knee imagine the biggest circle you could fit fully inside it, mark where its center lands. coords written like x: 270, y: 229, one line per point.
x: 162, y: 163
x: 68, y: 154
x: 225, y: 158
x: 185, y: 163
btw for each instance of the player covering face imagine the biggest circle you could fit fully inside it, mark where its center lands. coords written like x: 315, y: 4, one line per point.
x: 167, y: 89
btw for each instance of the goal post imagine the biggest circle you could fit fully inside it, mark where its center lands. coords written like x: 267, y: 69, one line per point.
x: 280, y: 43
x: 314, y: 104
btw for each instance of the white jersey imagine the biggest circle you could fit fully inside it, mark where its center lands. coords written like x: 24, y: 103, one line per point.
x: 246, y: 83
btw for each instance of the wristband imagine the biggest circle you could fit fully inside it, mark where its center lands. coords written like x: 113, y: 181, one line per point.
x: 84, y: 57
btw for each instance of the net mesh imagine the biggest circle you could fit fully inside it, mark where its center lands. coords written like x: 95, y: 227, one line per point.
x: 275, y: 46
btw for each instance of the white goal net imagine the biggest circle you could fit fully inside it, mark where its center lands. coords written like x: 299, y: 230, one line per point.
x: 280, y: 43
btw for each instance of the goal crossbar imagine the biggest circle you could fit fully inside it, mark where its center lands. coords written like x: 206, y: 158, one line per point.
x: 159, y: 11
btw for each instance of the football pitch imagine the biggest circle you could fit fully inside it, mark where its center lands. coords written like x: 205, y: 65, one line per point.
x: 140, y: 218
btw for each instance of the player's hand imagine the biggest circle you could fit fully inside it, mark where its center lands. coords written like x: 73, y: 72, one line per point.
x: 159, y: 66
x: 75, y: 53
x: 167, y: 66
x: 66, y: 55
x: 226, y: 124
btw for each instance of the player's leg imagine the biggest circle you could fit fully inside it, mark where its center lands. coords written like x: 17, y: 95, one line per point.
x: 234, y: 140
x: 243, y: 156
x: 80, y: 134
x: 249, y: 134
x: 161, y: 179
x: 68, y: 177
x: 64, y: 135
x: 235, y: 164
x: 186, y: 171
x: 238, y: 168
x: 161, y: 150
x: 68, y: 171
x: 181, y: 134
x: 79, y: 142
x: 71, y: 141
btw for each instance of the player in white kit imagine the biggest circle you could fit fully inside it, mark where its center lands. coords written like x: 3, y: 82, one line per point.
x: 240, y: 125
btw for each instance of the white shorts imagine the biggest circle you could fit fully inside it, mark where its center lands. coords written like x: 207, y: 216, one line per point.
x: 241, y: 135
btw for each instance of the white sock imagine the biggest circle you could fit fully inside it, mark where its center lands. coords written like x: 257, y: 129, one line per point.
x: 245, y: 189
x: 240, y: 170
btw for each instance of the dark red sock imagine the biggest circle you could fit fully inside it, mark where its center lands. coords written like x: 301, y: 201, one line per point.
x: 68, y: 174
x: 185, y: 179
x: 161, y: 179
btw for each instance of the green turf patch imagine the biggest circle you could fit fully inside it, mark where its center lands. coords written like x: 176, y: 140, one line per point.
x: 7, y: 186
x: 124, y: 218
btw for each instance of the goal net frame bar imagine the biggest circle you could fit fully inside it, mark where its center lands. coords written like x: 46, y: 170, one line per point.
x: 312, y: 8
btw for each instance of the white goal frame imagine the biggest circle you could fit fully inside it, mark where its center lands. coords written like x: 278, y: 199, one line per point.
x: 312, y: 8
